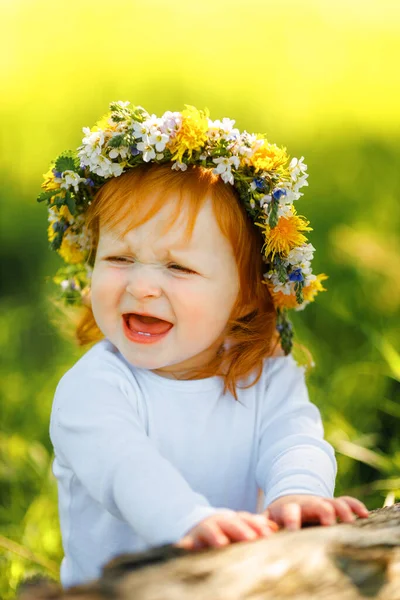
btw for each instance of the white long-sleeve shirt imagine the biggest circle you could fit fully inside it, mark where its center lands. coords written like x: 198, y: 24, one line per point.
x: 141, y: 459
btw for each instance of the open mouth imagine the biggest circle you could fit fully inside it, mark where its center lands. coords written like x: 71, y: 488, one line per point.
x: 145, y: 329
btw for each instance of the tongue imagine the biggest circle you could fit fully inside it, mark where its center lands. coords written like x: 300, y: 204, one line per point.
x: 150, y: 325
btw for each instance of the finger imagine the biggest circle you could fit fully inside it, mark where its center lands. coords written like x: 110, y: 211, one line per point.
x: 325, y: 512
x: 291, y: 516
x: 211, y: 534
x: 187, y: 543
x: 356, y: 506
x: 343, y: 510
x: 261, y: 525
x: 237, y: 529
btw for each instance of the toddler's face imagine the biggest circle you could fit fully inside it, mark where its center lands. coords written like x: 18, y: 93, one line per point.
x: 192, y: 285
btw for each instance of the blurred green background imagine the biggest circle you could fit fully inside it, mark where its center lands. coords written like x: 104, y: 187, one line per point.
x: 319, y: 77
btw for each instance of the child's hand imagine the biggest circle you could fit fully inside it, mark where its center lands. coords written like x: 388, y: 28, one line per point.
x: 224, y: 528
x: 292, y: 511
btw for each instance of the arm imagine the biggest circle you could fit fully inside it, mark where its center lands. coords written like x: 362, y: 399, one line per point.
x: 293, y: 456
x: 96, y: 431
x: 296, y: 466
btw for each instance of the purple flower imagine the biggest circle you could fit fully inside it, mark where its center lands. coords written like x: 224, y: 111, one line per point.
x: 57, y: 173
x: 260, y: 184
x: 282, y: 326
x: 296, y: 275
x: 278, y: 193
x: 58, y: 226
x: 90, y: 182
x: 134, y: 151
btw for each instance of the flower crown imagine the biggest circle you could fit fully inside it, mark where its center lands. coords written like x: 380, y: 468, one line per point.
x: 266, y: 183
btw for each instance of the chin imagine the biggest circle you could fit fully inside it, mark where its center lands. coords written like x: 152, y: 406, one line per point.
x: 145, y: 362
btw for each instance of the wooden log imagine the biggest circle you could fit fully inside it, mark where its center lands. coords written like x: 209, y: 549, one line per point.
x: 343, y: 562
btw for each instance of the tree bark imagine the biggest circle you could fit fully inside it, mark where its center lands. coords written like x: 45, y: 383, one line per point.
x: 346, y: 561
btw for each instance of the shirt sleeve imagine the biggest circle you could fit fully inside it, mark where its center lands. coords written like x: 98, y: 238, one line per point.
x: 293, y: 456
x: 96, y: 432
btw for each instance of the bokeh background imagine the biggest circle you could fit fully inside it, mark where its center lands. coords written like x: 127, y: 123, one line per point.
x: 319, y: 77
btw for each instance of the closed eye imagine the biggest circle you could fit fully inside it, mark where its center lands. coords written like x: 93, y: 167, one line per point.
x: 120, y: 259
x: 180, y: 268
x: 124, y: 259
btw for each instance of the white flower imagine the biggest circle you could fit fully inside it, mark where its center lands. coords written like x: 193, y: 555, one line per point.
x: 170, y: 122
x: 245, y: 144
x: 301, y: 306
x: 301, y: 182
x: 291, y: 196
x: 93, y: 138
x: 178, y: 166
x: 266, y: 199
x: 284, y: 210
x: 105, y: 168
x: 78, y: 235
x: 147, y: 129
x: 121, y: 151
x: 152, y: 123
x: 297, y: 167
x: 70, y: 178
x: 147, y: 150
x: 116, y: 169
x: 310, y: 277
x: 224, y: 165
x: 64, y: 285
x: 102, y: 166
x: 286, y: 288
x: 298, y: 175
x: 89, y: 153
x: 53, y: 216
x: 301, y: 254
x: 158, y: 139
x: 222, y: 129
x: 226, y: 125
x: 139, y: 130
x: 300, y: 258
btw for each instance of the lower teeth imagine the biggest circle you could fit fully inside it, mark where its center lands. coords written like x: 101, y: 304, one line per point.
x: 143, y: 333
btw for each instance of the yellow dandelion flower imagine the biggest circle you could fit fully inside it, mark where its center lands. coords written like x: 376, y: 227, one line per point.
x: 71, y: 253
x: 286, y: 235
x: 282, y: 300
x: 267, y: 157
x: 64, y: 212
x: 49, y: 183
x: 192, y: 133
x: 104, y: 123
x: 289, y: 301
x: 51, y: 234
x: 312, y: 289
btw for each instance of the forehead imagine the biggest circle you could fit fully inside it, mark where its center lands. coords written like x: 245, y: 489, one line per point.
x: 176, y: 225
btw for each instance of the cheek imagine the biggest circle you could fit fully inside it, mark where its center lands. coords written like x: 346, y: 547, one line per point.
x: 202, y: 305
x: 106, y: 286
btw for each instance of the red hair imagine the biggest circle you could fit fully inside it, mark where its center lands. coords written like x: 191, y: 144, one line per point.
x: 136, y: 197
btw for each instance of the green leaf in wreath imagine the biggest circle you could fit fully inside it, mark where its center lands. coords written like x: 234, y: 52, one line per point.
x: 67, y: 161
x: 70, y: 202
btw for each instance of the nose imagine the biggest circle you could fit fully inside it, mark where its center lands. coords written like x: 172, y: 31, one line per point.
x: 143, y: 283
